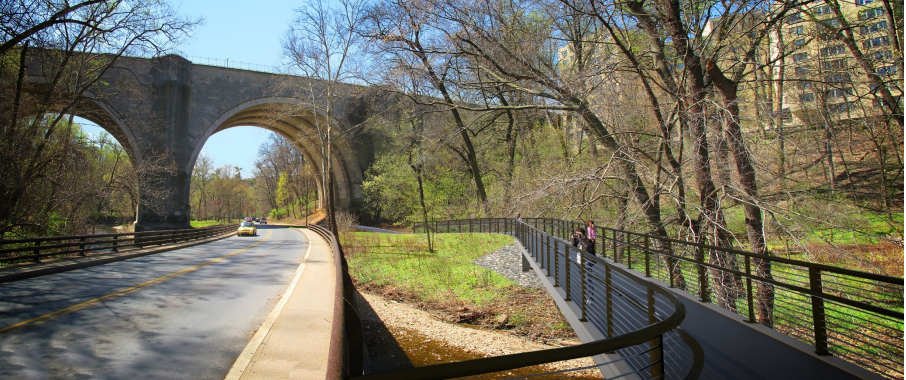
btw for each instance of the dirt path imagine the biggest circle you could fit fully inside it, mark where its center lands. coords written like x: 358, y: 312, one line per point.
x: 401, y: 336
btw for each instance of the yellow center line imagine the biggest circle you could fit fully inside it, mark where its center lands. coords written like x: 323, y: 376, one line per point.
x: 83, y: 305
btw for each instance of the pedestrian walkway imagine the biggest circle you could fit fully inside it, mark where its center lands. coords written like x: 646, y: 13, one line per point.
x: 732, y: 348
x: 294, y: 341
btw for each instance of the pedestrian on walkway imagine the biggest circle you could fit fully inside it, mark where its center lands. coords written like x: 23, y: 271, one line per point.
x: 592, y: 235
x: 578, y: 238
x: 519, y: 217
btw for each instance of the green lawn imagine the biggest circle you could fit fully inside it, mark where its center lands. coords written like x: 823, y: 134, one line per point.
x: 447, y: 274
x: 206, y: 223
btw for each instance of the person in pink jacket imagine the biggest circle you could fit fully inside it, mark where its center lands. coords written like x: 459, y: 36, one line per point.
x: 591, y: 235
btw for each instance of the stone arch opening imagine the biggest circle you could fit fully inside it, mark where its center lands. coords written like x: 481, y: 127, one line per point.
x: 300, y: 128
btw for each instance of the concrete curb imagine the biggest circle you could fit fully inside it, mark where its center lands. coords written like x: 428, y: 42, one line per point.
x: 36, y: 270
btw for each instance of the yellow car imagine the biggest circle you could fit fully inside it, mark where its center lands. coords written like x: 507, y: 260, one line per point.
x: 247, y: 228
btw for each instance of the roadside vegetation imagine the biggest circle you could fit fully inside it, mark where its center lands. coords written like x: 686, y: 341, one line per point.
x: 447, y: 283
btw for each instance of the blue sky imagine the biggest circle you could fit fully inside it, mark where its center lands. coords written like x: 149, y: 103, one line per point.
x: 243, y: 31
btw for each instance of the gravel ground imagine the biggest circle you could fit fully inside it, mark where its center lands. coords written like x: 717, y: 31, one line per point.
x: 399, y: 316
x: 508, y: 262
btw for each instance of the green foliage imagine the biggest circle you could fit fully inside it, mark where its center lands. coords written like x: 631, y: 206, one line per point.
x: 391, y: 191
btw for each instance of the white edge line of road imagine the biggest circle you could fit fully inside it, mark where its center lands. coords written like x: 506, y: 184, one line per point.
x: 245, y: 358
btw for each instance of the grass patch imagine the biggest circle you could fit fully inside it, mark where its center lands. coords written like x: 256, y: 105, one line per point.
x: 208, y: 223
x: 446, y: 283
x: 447, y: 274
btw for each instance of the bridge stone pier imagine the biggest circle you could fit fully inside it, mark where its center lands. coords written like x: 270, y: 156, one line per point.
x: 162, y: 111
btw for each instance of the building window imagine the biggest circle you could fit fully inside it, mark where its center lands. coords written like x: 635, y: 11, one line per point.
x: 841, y: 107
x: 794, y: 18
x: 804, y: 85
x: 837, y: 78
x: 797, y: 30
x: 880, y: 55
x: 864, y: 2
x: 799, y: 42
x: 880, y: 25
x: 808, y: 97
x: 822, y: 10
x: 833, y: 65
x: 833, y: 50
x: 837, y: 93
x: 888, y: 70
x: 876, y: 42
x: 799, y: 57
x: 869, y: 14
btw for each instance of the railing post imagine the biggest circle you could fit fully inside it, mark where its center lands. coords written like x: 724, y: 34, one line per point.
x: 546, y: 253
x: 82, y: 247
x: 656, y: 344
x: 116, y: 242
x: 603, y: 244
x: 556, y: 261
x: 628, y: 251
x: 703, y: 280
x: 470, y: 225
x: 647, y: 258
x: 584, y: 276
x: 566, y: 263
x: 608, y: 289
x: 615, y: 258
x: 37, y: 251
x: 749, y: 298
x: 818, y: 318
x: 669, y: 259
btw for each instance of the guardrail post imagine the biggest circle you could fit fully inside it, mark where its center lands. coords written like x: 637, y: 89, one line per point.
x: 647, y: 258
x: 615, y: 258
x: 584, y: 277
x: 749, y: 298
x: 702, y: 275
x: 37, y: 251
x: 470, y: 225
x: 608, y: 289
x: 656, y: 344
x: 628, y: 251
x: 818, y: 318
x: 116, y: 242
x: 546, y: 253
x: 556, y: 260
x: 82, y: 247
x: 566, y: 261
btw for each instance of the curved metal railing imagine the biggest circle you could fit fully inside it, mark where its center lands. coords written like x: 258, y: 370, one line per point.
x: 857, y: 316
x: 639, y: 319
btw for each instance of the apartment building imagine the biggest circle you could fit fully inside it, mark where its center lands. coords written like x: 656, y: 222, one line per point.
x: 821, y: 79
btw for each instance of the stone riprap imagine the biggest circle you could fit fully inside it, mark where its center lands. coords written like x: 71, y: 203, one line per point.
x: 508, y: 262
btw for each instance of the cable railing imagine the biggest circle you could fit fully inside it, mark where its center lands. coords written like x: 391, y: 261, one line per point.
x: 857, y: 316
x: 638, y: 319
x: 37, y: 250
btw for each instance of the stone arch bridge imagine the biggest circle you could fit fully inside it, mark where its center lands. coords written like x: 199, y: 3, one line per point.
x: 167, y: 108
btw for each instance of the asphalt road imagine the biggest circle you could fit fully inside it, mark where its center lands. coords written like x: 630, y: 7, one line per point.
x: 173, y: 315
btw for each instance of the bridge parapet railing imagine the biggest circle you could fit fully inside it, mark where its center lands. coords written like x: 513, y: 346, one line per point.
x: 639, y: 319
x: 857, y: 316
x: 36, y: 250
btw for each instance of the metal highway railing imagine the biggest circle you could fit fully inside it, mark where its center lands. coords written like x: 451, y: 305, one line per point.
x: 37, y: 249
x: 639, y: 319
x: 854, y: 315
